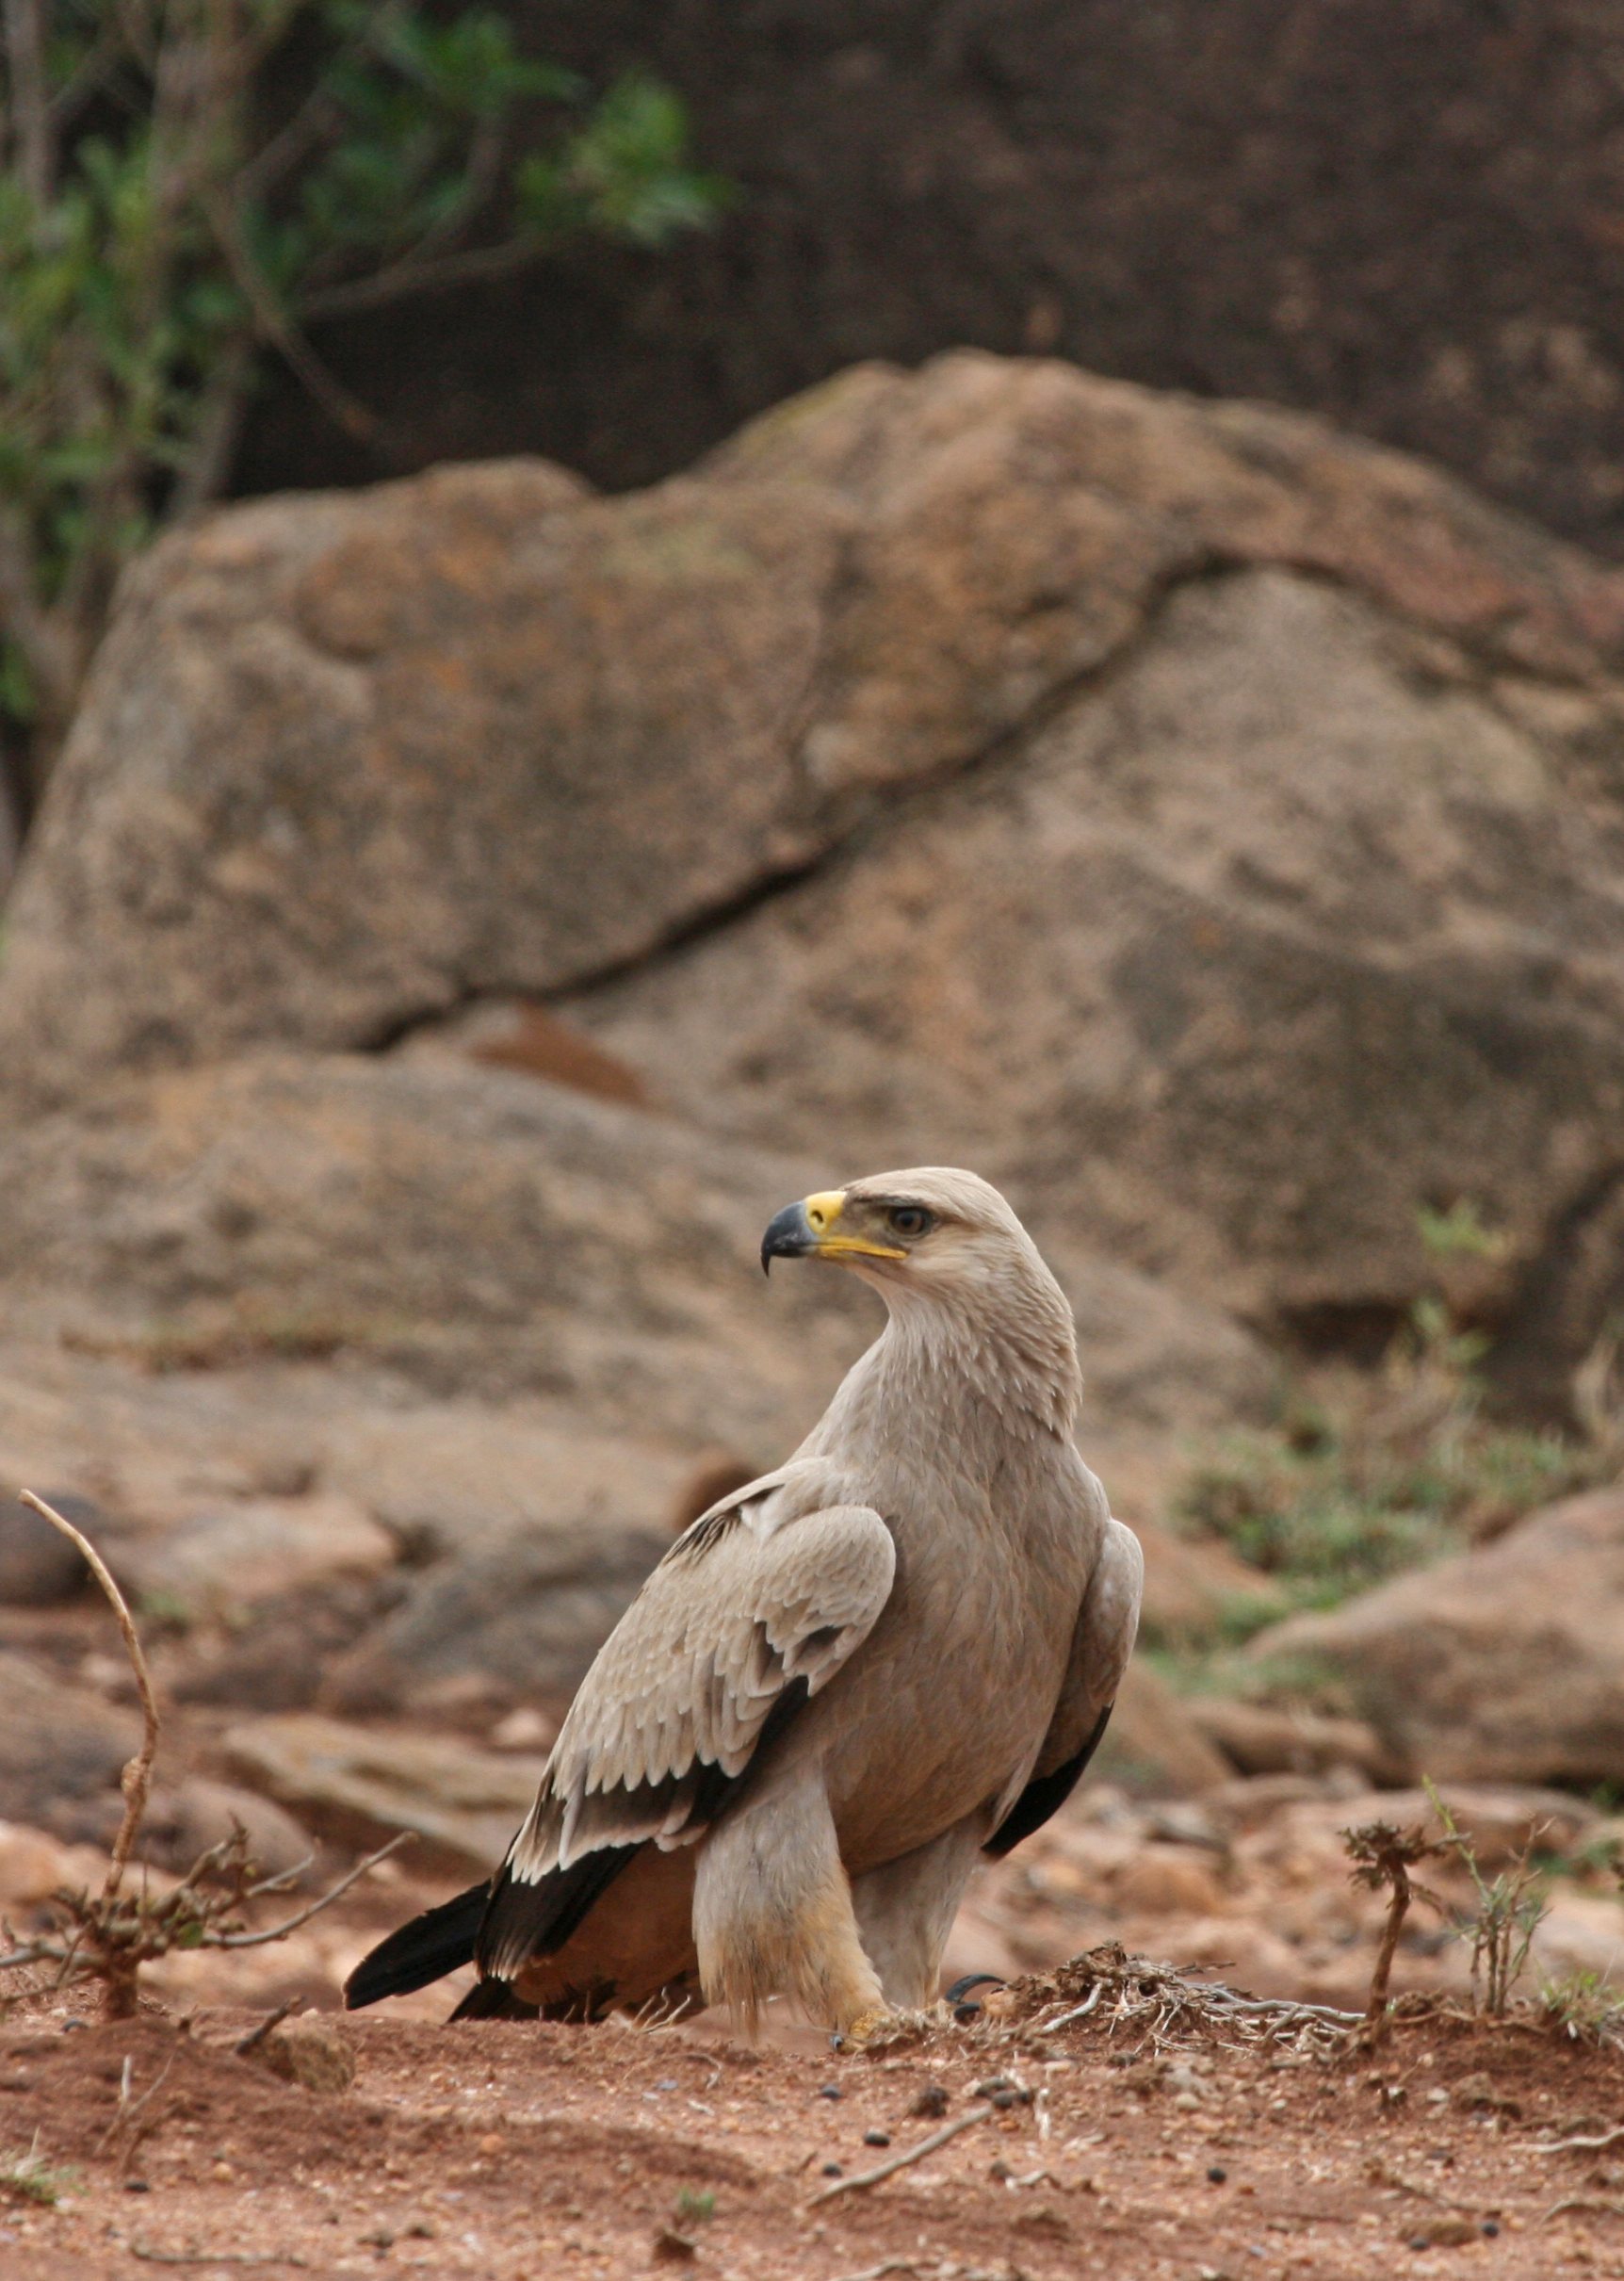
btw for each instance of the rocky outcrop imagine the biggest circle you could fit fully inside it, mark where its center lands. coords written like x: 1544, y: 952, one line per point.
x: 1502, y: 1665
x: 521, y: 1618
x: 485, y: 1232
x: 355, y: 1787
x: 1208, y: 825
x: 63, y: 1749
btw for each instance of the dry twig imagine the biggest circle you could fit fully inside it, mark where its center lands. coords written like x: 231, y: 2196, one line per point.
x: 1383, y: 1858
x: 136, y: 1781
x: 901, y: 2161
x: 255, y: 2036
x: 110, y: 1938
x: 1590, y: 2145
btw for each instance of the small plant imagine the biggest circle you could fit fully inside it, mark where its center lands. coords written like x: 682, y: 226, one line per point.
x: 695, y: 2205
x: 1383, y: 1857
x: 29, y: 2178
x: 110, y: 1935
x: 1367, y: 1475
x: 189, y: 185
x: 1510, y: 1910
x: 1587, y: 2008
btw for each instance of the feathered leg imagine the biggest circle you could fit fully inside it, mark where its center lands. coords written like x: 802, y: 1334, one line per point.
x: 905, y: 1911
x: 772, y: 1912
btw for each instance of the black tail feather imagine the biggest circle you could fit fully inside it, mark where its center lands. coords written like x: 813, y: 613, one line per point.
x: 423, y: 1950
x: 493, y: 2000
x: 525, y: 1920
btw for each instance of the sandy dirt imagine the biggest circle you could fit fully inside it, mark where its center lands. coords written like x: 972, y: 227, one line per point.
x: 515, y: 2149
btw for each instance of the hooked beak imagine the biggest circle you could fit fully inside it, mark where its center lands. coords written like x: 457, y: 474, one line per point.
x: 807, y: 1231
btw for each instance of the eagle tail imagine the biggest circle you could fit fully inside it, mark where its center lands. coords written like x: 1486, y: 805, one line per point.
x: 525, y: 1920
x: 422, y: 1950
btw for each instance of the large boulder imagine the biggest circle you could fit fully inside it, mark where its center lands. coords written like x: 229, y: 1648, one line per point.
x: 62, y: 1750
x: 1211, y: 825
x: 521, y: 1617
x: 1504, y: 1664
x: 484, y: 1230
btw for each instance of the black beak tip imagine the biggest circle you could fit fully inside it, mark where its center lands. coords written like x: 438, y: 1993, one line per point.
x: 788, y: 1237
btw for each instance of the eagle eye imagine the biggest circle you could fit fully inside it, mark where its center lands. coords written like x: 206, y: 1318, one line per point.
x: 910, y: 1220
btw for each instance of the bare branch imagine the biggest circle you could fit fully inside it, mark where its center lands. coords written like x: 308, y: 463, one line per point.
x: 403, y: 279
x: 256, y: 2035
x: 88, y: 76
x: 31, y: 96
x: 137, y: 1778
x: 278, y: 1932
x: 219, y: 423
x: 901, y: 2161
x: 350, y: 413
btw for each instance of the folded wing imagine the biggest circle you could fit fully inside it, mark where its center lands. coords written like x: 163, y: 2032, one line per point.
x: 745, y: 1619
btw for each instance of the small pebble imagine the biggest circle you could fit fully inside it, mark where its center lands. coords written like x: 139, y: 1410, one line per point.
x: 1217, y: 2174
x: 831, y: 2091
x: 832, y: 2170
x: 222, y: 2172
x: 932, y: 2100
x: 1421, y: 2242
x: 1490, y: 2228
x: 876, y: 2138
x: 136, y: 2186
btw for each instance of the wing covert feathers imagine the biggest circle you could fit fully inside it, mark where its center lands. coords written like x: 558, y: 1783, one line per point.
x: 739, y: 1617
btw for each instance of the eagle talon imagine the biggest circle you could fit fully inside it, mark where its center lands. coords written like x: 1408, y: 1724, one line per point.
x: 882, y: 2026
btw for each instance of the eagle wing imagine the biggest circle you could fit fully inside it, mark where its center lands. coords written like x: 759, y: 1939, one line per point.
x: 744, y: 1619
x: 1107, y: 1625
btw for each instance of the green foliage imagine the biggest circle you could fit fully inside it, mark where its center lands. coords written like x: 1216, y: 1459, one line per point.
x: 1364, y: 1478
x: 1459, y: 1233
x: 29, y: 2178
x: 1589, y: 2008
x: 694, y: 2205
x: 188, y: 183
x: 1510, y: 1910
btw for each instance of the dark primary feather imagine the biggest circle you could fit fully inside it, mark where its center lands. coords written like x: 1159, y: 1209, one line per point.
x: 1042, y: 1796
x: 525, y: 1920
x: 423, y: 1950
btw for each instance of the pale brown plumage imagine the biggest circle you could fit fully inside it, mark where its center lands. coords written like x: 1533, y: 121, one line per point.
x: 843, y: 1681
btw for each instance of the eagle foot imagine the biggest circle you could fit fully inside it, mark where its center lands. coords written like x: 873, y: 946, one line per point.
x: 883, y: 2029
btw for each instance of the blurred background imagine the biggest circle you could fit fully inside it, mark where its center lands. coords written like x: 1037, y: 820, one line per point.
x: 609, y: 616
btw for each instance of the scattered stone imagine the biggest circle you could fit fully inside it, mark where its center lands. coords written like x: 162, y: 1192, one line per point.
x: 312, y: 2052
x: 33, y: 1865
x: 525, y: 1613
x: 525, y: 1729
x: 63, y: 1749
x: 224, y: 1562
x: 184, y: 1823
x: 1152, y: 1746
x: 1503, y: 1665
x: 931, y: 2102
x: 279, y: 1657
x: 1478, y: 2092
x: 1261, y: 1738
x: 1044, y: 2224
x: 358, y: 1786
x: 1166, y: 1880
x: 1447, y: 2233
x: 39, y: 1566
